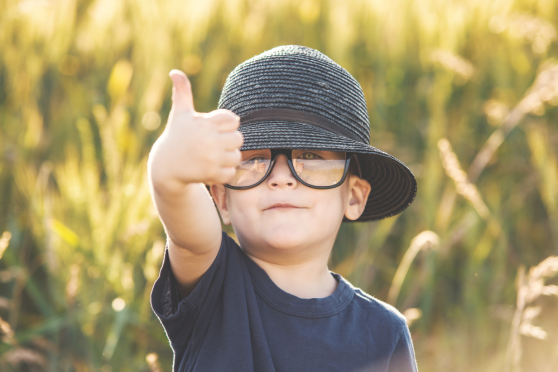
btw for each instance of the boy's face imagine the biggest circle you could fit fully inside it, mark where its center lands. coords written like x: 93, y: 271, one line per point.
x: 281, y: 215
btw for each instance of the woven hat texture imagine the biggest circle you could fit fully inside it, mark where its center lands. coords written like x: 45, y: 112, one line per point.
x: 299, y: 78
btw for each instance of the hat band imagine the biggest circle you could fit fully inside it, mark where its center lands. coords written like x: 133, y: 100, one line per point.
x: 257, y: 116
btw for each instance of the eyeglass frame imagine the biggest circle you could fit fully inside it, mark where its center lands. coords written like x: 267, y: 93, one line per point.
x: 288, y: 154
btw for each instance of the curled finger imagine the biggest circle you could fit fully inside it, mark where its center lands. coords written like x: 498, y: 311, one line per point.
x: 226, y: 174
x: 231, y: 140
x: 231, y: 158
x: 223, y: 120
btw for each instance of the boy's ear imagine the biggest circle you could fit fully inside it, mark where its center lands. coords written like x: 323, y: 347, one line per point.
x: 359, y: 189
x: 218, y: 192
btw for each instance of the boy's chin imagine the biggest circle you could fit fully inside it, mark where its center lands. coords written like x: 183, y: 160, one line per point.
x: 285, y: 244
x: 285, y: 237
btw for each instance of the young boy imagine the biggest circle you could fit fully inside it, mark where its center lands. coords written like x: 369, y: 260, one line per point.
x: 305, y: 165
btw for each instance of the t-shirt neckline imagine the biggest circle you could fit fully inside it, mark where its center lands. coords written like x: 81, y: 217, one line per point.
x: 293, y: 305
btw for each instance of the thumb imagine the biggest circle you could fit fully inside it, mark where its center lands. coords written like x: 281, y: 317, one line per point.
x: 182, y: 97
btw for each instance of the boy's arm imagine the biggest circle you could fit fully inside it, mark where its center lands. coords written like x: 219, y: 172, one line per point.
x: 403, y: 357
x: 194, y: 149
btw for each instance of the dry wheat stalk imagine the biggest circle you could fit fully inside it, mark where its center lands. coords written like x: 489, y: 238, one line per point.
x: 526, y: 27
x: 426, y: 240
x: 20, y: 357
x: 452, y: 62
x: 464, y: 186
x: 544, y: 90
x: 529, y: 289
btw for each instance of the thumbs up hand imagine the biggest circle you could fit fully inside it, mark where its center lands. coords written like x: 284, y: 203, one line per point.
x: 195, y: 147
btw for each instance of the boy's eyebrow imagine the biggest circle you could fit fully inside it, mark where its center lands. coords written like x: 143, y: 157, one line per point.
x: 257, y: 116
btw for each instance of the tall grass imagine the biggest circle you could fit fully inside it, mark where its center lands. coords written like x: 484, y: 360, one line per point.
x: 463, y: 92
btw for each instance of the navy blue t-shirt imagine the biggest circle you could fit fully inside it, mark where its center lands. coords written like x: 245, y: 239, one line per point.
x: 237, y: 319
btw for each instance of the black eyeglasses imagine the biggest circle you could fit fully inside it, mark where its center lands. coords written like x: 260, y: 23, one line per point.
x: 313, y: 168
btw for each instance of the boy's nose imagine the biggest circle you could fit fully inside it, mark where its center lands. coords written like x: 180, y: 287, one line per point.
x: 281, y: 175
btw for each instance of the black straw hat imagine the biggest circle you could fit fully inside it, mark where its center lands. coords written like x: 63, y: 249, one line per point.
x: 296, y: 97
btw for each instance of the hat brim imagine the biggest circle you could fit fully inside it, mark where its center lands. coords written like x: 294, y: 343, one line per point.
x: 394, y: 186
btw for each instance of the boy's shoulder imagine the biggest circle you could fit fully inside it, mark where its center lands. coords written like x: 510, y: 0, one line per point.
x: 378, y: 311
x: 379, y: 305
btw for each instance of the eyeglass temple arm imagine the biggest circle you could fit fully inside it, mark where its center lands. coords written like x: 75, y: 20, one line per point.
x: 358, y: 164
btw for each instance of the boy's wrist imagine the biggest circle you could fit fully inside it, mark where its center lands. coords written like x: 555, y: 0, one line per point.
x: 163, y: 167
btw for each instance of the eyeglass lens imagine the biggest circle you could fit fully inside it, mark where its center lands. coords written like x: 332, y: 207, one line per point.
x: 316, y: 168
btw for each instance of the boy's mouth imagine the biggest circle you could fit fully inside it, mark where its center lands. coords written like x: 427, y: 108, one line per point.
x: 281, y: 205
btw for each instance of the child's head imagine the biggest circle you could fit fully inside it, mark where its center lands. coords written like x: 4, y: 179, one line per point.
x: 297, y: 99
x: 282, y: 213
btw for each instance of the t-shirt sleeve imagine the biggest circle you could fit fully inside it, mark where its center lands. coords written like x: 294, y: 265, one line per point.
x: 403, y: 357
x: 179, y: 315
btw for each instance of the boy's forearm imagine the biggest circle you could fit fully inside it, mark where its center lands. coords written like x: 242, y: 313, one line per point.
x: 186, y: 211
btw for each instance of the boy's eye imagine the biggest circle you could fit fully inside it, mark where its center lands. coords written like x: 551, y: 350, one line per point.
x: 255, y: 159
x: 256, y: 156
x: 308, y: 156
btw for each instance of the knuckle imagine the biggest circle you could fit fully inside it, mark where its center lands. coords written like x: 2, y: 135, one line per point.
x: 223, y: 116
x: 211, y: 173
x: 240, y: 138
x: 217, y: 114
x: 237, y: 157
x: 227, y: 113
x: 226, y: 174
x: 216, y: 118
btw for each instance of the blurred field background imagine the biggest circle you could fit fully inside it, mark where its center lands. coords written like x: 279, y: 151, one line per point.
x: 464, y: 92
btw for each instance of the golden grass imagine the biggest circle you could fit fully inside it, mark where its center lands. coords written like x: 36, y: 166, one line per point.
x: 463, y: 92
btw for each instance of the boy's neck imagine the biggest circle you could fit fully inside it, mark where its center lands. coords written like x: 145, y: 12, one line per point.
x: 307, y: 279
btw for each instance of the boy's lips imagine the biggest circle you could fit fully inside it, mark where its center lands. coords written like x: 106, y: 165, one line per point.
x: 281, y: 205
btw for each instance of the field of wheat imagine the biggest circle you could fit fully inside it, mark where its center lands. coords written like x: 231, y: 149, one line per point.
x: 464, y: 92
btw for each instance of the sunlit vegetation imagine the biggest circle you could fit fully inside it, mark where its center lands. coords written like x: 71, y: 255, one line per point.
x: 464, y: 92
